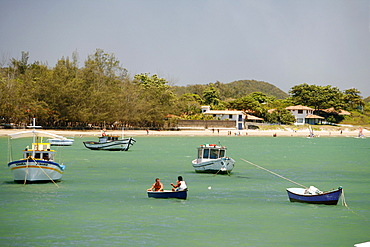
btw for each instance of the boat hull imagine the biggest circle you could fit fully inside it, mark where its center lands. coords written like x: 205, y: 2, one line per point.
x: 168, y: 194
x: 58, y: 142
x: 36, y: 170
x: 328, y: 198
x: 118, y: 145
x: 221, y: 165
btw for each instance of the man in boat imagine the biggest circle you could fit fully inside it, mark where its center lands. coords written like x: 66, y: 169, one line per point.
x: 180, y: 184
x: 157, y: 186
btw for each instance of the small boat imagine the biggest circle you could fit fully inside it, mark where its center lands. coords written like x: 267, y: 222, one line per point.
x: 311, y: 135
x: 182, y: 194
x: 38, y: 162
x: 111, y: 143
x: 314, y: 196
x: 365, y: 244
x: 60, y: 141
x: 212, y: 159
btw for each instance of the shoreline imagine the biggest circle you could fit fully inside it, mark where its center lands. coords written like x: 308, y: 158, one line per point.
x: 206, y: 132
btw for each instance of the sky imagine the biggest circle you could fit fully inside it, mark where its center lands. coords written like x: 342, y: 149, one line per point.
x: 187, y: 42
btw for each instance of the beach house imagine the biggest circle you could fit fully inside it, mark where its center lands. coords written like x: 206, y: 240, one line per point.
x: 304, y: 115
x: 237, y: 116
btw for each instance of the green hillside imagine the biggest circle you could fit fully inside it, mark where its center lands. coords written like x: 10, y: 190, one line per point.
x: 235, y: 89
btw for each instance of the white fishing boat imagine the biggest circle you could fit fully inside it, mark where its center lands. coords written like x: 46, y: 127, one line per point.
x: 111, y: 143
x: 38, y: 162
x: 212, y: 159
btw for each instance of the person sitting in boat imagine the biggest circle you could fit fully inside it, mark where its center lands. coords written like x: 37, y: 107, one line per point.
x: 157, y: 186
x: 180, y: 184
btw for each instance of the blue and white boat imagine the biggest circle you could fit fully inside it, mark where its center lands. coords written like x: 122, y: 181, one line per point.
x: 314, y: 197
x: 38, y: 162
x: 212, y: 159
x: 165, y: 194
x: 111, y: 143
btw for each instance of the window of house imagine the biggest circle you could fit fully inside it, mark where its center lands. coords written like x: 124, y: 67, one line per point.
x: 300, y: 111
x: 230, y: 116
x: 299, y: 120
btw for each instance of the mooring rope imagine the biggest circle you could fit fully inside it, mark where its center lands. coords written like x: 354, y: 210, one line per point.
x: 344, y: 203
x: 275, y: 173
x: 9, y: 151
x: 342, y: 196
x: 25, y: 177
x: 45, y: 173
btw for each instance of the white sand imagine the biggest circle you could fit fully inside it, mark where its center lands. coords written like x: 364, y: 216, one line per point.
x: 208, y: 132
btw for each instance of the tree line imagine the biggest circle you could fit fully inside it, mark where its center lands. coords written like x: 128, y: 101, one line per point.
x: 101, y: 93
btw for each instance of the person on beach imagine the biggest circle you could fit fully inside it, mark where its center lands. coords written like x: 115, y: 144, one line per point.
x: 157, y: 186
x: 180, y: 184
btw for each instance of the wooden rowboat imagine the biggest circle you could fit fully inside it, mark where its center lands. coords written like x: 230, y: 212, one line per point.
x: 168, y: 194
x: 328, y: 198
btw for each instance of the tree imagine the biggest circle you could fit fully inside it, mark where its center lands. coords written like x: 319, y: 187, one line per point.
x: 261, y: 97
x: 20, y: 66
x: 285, y: 116
x: 317, y: 96
x: 102, y: 78
x: 189, y: 104
x: 157, y: 100
x: 244, y: 103
x: 353, y: 99
x: 211, y: 96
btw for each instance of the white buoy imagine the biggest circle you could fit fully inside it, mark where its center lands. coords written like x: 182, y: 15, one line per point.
x: 209, y: 187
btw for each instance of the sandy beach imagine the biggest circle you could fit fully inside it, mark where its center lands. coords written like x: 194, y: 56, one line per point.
x: 331, y: 132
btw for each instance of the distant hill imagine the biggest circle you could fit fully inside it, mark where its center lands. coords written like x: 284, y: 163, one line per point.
x: 367, y: 99
x: 235, y: 89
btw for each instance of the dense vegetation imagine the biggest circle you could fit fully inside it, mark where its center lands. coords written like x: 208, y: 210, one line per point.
x: 102, y: 94
x: 234, y: 90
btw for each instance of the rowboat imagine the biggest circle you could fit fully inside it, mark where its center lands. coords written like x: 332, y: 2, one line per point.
x: 302, y: 195
x: 111, y: 143
x: 212, y: 159
x: 38, y: 163
x: 182, y: 194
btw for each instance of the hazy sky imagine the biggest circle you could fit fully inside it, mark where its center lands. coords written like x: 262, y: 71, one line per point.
x: 283, y: 42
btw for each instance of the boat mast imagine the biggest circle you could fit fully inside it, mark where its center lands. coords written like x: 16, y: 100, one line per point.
x: 35, y: 137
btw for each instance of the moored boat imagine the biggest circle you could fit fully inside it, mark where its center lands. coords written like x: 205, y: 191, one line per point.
x: 314, y: 196
x: 111, y: 143
x: 60, y: 141
x: 212, y: 159
x: 182, y: 194
x: 38, y: 162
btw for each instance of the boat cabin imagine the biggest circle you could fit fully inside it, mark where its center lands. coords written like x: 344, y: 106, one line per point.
x: 211, y: 151
x: 108, y: 138
x: 39, y: 151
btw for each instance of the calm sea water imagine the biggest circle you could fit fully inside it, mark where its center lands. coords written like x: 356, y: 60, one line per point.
x: 102, y: 198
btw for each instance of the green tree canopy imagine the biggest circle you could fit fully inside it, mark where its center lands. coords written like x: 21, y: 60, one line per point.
x: 211, y: 96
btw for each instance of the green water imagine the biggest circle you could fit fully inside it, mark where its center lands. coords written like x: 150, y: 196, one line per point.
x: 102, y: 197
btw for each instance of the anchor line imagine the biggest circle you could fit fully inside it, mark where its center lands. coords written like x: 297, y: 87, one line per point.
x: 275, y: 174
x: 45, y: 172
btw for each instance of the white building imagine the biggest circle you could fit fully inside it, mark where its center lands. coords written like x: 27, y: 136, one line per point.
x: 304, y: 115
x: 238, y: 116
